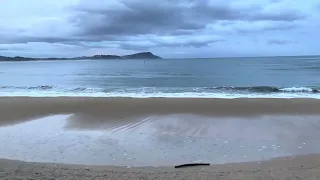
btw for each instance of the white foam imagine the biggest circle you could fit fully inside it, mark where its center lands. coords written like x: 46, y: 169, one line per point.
x: 158, y: 94
x: 296, y: 89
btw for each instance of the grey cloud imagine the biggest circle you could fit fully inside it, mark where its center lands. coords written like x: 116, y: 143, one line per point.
x: 146, y: 24
x: 70, y: 40
x: 189, y: 43
x: 146, y: 43
x: 270, y: 27
x: 148, y: 17
x: 165, y: 17
x: 9, y: 48
x: 280, y: 27
x: 280, y: 42
x: 284, y: 16
x: 27, y: 39
x: 250, y: 13
x: 135, y: 47
x: 161, y: 43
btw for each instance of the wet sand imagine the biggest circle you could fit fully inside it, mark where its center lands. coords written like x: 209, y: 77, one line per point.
x: 18, y: 109
x: 159, y: 132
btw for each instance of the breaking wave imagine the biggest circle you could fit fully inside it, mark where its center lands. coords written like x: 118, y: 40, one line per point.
x: 254, y: 89
x: 165, y: 92
x: 270, y: 89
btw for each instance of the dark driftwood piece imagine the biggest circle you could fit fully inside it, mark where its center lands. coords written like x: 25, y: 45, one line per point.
x: 192, y: 164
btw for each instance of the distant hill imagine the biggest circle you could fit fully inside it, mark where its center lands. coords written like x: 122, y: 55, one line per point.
x: 103, y: 57
x: 142, y: 55
x: 16, y: 58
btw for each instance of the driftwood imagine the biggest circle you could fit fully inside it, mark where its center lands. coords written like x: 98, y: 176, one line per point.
x: 192, y: 164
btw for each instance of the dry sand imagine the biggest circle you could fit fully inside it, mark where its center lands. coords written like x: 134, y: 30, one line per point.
x: 115, y: 113
x: 289, y: 168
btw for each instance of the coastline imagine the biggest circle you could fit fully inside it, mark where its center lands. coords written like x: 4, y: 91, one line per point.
x: 141, y: 55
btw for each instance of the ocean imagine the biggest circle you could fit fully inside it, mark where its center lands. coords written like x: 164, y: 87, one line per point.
x: 267, y: 77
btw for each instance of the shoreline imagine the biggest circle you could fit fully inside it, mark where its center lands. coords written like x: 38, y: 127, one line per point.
x: 44, y: 94
x: 294, y: 167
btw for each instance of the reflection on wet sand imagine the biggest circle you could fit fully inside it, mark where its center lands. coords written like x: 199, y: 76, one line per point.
x: 157, y: 140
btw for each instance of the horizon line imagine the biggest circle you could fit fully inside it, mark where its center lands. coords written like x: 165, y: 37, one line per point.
x: 179, y: 58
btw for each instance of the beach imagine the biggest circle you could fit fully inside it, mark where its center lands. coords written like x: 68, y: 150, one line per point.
x: 132, y: 89
x: 302, y: 167
x: 144, y: 138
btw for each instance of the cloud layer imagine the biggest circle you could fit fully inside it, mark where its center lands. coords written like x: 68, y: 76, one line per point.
x: 181, y: 28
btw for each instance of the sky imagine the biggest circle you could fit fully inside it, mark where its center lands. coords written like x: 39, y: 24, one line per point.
x: 168, y: 28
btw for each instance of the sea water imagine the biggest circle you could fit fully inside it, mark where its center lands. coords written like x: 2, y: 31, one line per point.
x: 264, y: 77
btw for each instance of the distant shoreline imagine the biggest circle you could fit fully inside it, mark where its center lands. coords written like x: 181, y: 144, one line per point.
x: 142, y: 55
x: 136, y: 56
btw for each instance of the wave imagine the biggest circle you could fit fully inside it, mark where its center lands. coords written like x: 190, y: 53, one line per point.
x: 82, y: 89
x: 51, y: 88
x: 250, y: 89
x: 150, y: 90
x: 300, y: 89
x: 269, y: 89
x: 160, y: 95
x: 173, y: 74
x: 43, y: 87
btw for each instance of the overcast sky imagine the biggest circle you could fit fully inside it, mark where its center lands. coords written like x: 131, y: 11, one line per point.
x: 168, y: 28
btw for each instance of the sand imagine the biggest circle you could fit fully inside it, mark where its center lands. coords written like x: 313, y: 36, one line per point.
x: 301, y: 167
x: 17, y: 109
x: 159, y: 132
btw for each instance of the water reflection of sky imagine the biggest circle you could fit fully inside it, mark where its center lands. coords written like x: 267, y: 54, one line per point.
x: 148, y: 144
